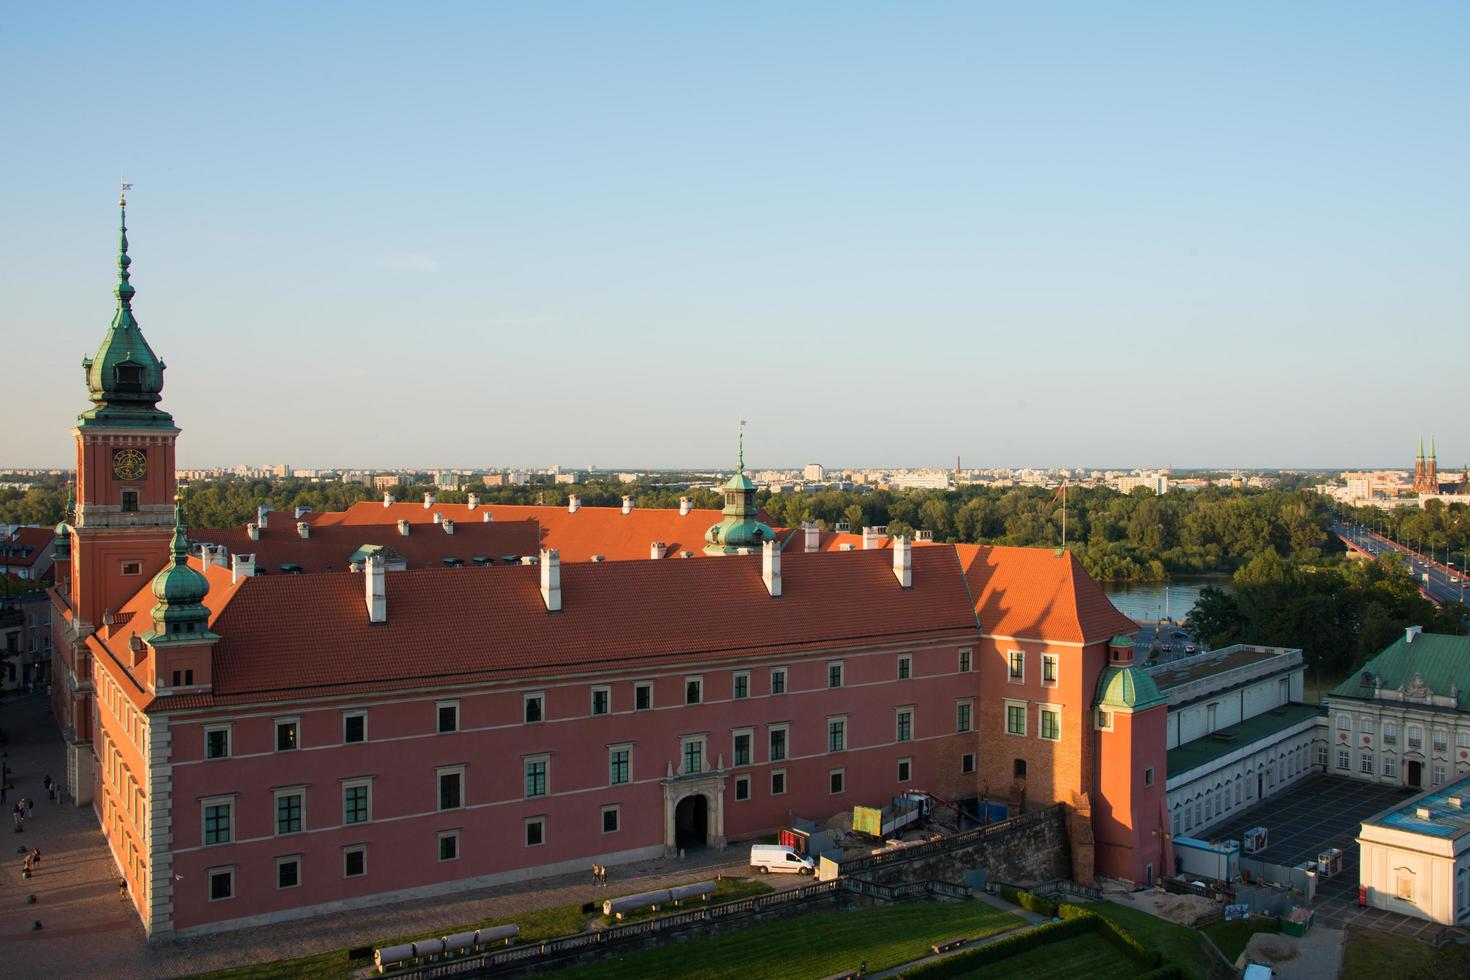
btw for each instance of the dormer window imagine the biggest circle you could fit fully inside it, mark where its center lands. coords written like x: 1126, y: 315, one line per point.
x: 129, y: 376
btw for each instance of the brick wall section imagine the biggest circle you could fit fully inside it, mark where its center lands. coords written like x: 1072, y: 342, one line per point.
x: 1035, y: 851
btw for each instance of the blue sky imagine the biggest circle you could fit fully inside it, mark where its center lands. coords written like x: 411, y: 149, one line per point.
x: 886, y: 234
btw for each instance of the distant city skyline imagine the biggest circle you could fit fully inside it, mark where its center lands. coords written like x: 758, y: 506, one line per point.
x: 1085, y: 237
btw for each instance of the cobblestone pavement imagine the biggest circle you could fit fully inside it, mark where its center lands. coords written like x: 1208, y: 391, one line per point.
x: 76, y: 890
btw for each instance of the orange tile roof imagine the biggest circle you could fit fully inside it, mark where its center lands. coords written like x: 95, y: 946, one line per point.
x: 1034, y: 592
x: 26, y: 547
x: 330, y: 545
x: 287, y: 635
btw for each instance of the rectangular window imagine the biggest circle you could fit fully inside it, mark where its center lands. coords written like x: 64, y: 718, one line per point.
x: 1017, y: 666
x: 905, y: 728
x: 1319, y: 756
x: 742, y: 788
x: 692, y: 751
x: 130, y: 501
x: 286, y: 734
x: 611, y: 819
x: 218, y: 819
x: 535, y: 831
x: 742, y: 748
x: 601, y: 700
x: 1441, y: 740
x: 448, y: 716
x: 742, y: 684
x: 966, y: 659
x: 1390, y: 767
x: 834, y: 675
x: 1048, y: 668
x: 1344, y: 723
x: 693, y: 690
x: 357, y: 802
x: 1015, y: 718
x: 778, y: 743
x: 1405, y: 890
x: 1390, y: 733
x: 778, y: 782
x: 288, y: 872
x: 354, y: 861
x: 1051, y: 724
x: 1462, y: 739
x: 217, y: 742
x: 354, y: 727
x: 449, y: 845
x: 533, y: 708
x: 836, y: 734
x: 1344, y: 760
x: 964, y: 715
x: 1104, y: 720
x: 967, y: 762
x: 905, y: 770
x: 1365, y: 724
x: 1438, y: 776
x: 451, y: 788
x: 1148, y: 776
x: 905, y: 667
x: 290, y: 811
x: 836, y: 779
x: 221, y: 884
x: 535, y: 770
x: 642, y: 696
x: 1416, y: 737
x: 619, y: 765
x: 778, y: 680
x: 1365, y: 764
x: 132, y: 568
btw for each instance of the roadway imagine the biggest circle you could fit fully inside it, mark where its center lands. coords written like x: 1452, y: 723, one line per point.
x: 1435, y: 579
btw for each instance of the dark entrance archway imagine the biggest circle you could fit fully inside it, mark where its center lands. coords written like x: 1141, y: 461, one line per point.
x: 691, y: 821
x: 1416, y: 774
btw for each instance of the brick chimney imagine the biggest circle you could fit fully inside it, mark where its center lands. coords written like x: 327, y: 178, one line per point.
x: 551, y: 579
x: 771, y: 568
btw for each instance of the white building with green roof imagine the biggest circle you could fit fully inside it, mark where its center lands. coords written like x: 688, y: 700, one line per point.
x: 1404, y: 718
x: 1237, y: 731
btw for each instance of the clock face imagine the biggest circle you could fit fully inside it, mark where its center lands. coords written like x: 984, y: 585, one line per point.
x: 129, y: 464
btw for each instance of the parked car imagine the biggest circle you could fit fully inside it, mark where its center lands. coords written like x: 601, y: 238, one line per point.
x: 766, y: 858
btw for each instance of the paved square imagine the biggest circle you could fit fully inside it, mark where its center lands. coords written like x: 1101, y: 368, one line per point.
x: 1319, y: 812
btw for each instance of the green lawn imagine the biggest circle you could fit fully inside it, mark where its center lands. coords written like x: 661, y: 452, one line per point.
x: 814, y: 945
x: 1373, y: 955
x: 1232, y: 937
x: 1179, y: 943
x: 535, y: 926
x: 1089, y: 957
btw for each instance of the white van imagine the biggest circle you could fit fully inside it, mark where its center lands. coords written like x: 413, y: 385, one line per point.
x: 775, y: 857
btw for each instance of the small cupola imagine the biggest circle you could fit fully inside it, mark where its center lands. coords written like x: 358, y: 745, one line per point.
x: 180, y: 590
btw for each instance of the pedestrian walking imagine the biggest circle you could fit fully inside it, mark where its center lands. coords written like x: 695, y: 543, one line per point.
x: 35, y: 855
x: 122, y: 889
x: 18, y: 818
x: 52, y: 790
x: 594, y: 875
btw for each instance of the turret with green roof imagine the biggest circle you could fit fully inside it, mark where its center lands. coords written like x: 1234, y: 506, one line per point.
x: 180, y: 590
x: 739, y: 530
x: 1121, y: 685
x: 124, y: 377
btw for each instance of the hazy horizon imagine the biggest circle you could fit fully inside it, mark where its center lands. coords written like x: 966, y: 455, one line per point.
x: 488, y: 236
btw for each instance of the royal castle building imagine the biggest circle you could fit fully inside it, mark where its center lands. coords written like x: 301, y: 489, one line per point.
x: 320, y: 712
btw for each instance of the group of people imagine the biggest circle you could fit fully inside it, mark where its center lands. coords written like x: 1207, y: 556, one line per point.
x: 21, y: 812
x: 599, y: 874
x: 33, y: 858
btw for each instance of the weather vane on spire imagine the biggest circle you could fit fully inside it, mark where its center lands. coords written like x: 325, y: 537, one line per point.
x: 122, y: 198
x: 741, y: 461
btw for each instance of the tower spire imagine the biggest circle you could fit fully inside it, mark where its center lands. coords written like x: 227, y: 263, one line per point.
x: 1421, y: 447
x: 740, y: 459
x: 124, y: 289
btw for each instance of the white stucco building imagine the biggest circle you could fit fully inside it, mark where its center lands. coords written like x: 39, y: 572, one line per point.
x: 1415, y: 858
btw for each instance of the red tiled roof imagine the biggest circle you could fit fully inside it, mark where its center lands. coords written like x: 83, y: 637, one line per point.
x: 604, y: 531
x: 26, y: 547
x: 1034, y: 592
x: 330, y: 545
x: 285, y: 634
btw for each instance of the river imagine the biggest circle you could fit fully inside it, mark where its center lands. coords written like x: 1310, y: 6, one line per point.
x: 1146, y: 602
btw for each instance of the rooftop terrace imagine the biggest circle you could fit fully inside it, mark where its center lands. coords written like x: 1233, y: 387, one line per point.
x: 1444, y: 812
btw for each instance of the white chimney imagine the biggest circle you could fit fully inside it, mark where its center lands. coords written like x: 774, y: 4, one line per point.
x: 1412, y: 631
x: 487, y: 517
x: 428, y: 500
x: 627, y: 505
x: 448, y: 526
x: 847, y: 546
x: 253, y: 530
x: 438, y: 517
x: 871, y: 538
x: 474, y: 501
x: 222, y: 556
x: 241, y: 566
x: 551, y: 579
x: 574, y: 504
x: 903, y: 561
x: 303, y: 528
x: 403, y: 528
x: 685, y: 506
x: 301, y: 511
x: 812, y: 535
x: 657, y: 550
x: 771, y: 568
x: 375, y: 580
x: 262, y: 515
x: 387, y: 500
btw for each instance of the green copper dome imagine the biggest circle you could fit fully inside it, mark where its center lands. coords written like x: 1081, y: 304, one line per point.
x: 1129, y: 688
x: 739, y: 529
x: 124, y: 377
x: 180, y: 591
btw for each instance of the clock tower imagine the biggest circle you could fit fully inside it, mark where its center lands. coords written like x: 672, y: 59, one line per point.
x: 124, y: 517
